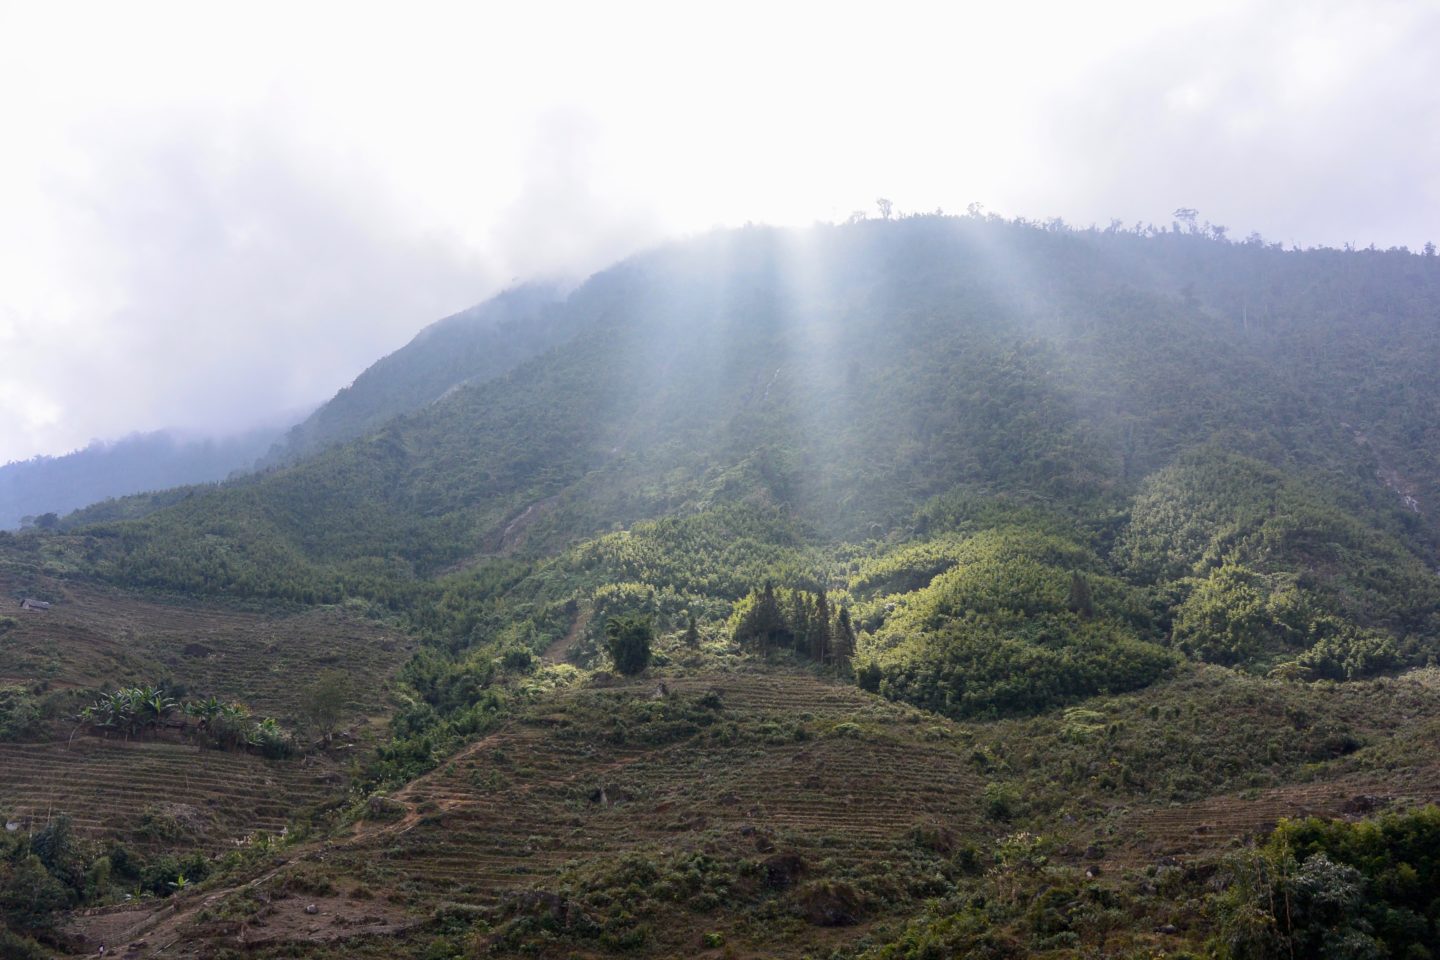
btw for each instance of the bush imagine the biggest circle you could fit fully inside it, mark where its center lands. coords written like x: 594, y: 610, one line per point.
x: 272, y: 741
x: 30, y: 895
x: 1001, y: 801
x: 15, y: 947
x: 19, y: 713
x: 627, y: 639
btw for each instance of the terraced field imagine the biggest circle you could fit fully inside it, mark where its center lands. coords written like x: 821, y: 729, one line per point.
x: 517, y: 807
x: 158, y: 795
x: 95, y: 637
x: 164, y: 794
x: 774, y: 762
x: 1186, y: 830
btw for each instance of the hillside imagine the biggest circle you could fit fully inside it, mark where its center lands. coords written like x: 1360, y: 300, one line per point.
x: 978, y: 555
x: 475, y: 344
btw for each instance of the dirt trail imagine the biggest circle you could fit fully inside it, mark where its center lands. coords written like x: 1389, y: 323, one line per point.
x: 561, y: 649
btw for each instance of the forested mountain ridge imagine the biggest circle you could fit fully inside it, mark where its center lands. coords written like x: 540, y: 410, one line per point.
x: 1096, y: 327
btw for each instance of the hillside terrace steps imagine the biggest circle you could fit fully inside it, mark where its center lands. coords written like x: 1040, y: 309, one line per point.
x: 107, y: 787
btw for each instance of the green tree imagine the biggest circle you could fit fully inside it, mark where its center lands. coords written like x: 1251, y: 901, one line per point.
x: 843, y: 647
x: 323, y: 705
x: 763, y: 623
x: 627, y: 639
x: 820, y: 637
x: 1079, y: 601
x: 30, y: 896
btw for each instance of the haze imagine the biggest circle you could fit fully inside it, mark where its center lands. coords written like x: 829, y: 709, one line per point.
x: 211, y: 214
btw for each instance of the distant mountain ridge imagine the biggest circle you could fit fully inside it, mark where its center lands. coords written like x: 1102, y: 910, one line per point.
x: 139, y: 463
x: 474, y: 345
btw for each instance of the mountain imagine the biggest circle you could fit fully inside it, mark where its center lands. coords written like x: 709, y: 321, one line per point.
x: 138, y: 463
x: 1000, y: 580
x: 475, y: 344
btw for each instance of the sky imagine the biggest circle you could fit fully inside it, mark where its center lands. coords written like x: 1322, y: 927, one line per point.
x: 214, y: 215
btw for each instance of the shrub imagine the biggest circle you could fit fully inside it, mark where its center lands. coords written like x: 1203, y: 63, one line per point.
x: 627, y: 639
x: 1001, y: 800
x: 272, y: 741
x: 19, y: 713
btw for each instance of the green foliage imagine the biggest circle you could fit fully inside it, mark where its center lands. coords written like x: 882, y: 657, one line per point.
x: 1329, y: 888
x: 925, y: 428
x: 325, y: 700
x: 476, y: 344
x: 799, y: 620
x: 1235, y: 616
x: 1342, y: 651
x: 627, y: 640
x: 997, y: 492
x: 1215, y: 511
x: 995, y: 634
x: 130, y: 710
x: 16, y: 947
x: 271, y: 741
x: 133, y: 711
x: 20, y: 715
x: 30, y: 895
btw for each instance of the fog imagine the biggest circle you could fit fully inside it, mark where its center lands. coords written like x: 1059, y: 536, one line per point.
x: 210, y: 214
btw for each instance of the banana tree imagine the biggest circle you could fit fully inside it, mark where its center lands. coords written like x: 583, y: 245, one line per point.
x: 205, y: 710
x: 153, y: 706
x: 229, y: 726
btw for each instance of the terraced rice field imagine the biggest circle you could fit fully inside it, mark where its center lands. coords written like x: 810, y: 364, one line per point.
x: 516, y: 807
x: 95, y: 637
x: 194, y: 798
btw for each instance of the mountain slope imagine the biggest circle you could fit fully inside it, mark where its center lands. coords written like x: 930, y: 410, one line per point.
x: 475, y: 344
x: 848, y: 374
x: 1119, y: 518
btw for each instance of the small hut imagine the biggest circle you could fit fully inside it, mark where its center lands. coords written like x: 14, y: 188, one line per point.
x: 30, y: 603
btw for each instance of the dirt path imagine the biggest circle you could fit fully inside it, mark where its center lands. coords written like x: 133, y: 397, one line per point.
x: 561, y: 649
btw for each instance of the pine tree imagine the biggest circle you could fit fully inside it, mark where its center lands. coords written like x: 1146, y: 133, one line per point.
x: 762, y: 623
x: 1079, y: 601
x: 692, y: 633
x: 844, y: 643
x: 820, y: 633
x: 801, y: 620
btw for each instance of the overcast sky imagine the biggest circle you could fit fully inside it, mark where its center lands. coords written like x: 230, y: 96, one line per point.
x: 215, y: 213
